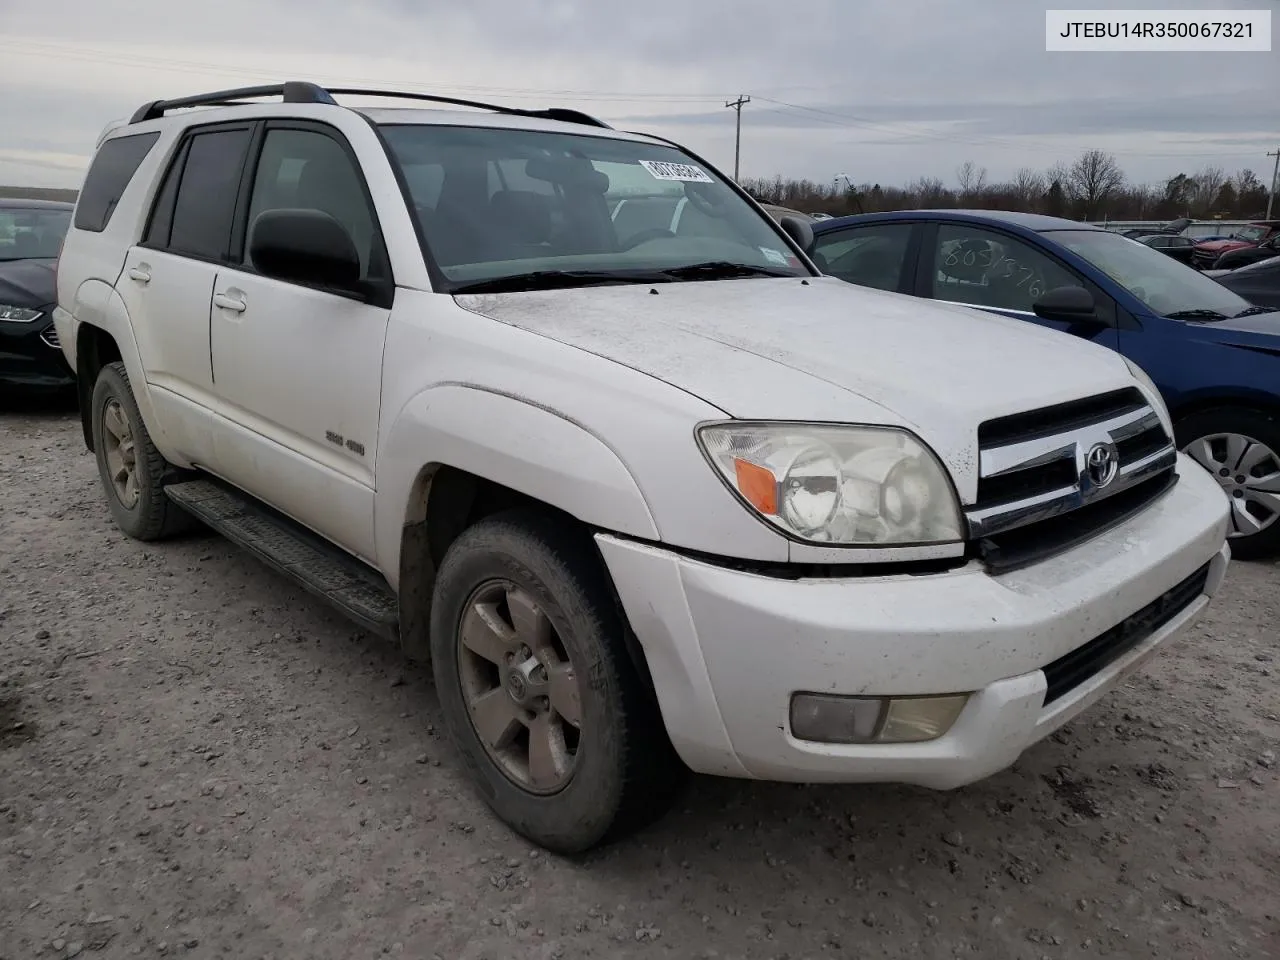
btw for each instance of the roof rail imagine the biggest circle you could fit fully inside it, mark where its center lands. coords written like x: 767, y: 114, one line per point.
x: 296, y: 91
x: 551, y: 113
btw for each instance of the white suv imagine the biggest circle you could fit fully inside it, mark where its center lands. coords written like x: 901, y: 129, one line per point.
x: 649, y: 499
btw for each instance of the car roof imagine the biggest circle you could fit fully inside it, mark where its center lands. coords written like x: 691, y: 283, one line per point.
x: 18, y: 203
x: 480, y: 118
x: 1027, y: 221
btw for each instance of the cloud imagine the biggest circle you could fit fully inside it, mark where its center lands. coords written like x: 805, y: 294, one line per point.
x: 887, y: 90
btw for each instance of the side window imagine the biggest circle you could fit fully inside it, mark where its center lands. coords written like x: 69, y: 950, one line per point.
x: 112, y: 168
x: 206, y: 200
x: 1159, y: 242
x: 870, y: 256
x: 989, y: 269
x: 306, y: 169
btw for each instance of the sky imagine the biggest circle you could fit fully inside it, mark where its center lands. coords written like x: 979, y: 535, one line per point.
x: 883, y: 91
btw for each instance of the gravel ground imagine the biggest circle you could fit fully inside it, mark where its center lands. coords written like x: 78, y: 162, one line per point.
x: 198, y: 760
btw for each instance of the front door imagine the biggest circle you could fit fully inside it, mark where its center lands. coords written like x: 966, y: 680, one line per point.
x: 298, y: 370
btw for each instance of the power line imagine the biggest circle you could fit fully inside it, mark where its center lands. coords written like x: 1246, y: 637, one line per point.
x: 737, y: 137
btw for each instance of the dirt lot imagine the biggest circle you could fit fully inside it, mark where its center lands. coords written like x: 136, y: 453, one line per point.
x: 197, y: 760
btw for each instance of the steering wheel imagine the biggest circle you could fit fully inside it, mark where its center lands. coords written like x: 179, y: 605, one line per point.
x: 644, y: 236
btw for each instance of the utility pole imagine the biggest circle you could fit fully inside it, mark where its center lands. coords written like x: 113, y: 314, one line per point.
x: 737, y: 140
x: 1275, y: 175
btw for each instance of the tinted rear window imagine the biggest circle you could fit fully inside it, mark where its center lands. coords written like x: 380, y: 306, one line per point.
x: 112, y: 169
x: 206, y: 198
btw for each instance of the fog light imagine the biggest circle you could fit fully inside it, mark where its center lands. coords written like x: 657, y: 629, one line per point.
x: 916, y: 719
x: 825, y: 718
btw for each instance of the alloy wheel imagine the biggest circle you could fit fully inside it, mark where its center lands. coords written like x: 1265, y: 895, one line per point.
x: 520, y: 687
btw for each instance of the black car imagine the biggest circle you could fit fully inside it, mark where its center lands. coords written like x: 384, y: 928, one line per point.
x: 1258, y: 282
x: 1176, y: 246
x: 1244, y: 256
x: 1169, y: 229
x: 31, y: 233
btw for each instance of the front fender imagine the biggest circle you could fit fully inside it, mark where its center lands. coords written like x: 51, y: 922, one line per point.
x: 535, y: 450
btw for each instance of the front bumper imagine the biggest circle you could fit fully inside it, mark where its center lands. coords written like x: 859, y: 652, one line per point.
x: 728, y: 648
x: 30, y: 356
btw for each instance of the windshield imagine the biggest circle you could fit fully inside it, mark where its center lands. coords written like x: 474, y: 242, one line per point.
x: 499, y: 204
x: 1162, y: 283
x: 32, y: 233
x: 1252, y: 234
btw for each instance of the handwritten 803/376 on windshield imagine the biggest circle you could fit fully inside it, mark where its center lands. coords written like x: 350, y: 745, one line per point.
x: 1158, y: 30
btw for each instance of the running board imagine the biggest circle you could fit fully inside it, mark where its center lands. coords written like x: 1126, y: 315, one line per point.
x: 299, y: 554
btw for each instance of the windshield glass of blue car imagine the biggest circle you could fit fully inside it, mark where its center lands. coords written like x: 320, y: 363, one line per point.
x: 32, y: 234
x: 1164, y: 285
x: 505, y: 209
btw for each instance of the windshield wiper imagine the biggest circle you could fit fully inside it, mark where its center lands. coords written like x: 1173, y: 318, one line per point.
x: 1197, y: 314
x: 721, y: 270
x: 554, y: 280
x: 1253, y: 312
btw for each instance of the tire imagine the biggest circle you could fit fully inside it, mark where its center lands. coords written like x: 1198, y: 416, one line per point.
x: 623, y: 771
x: 1244, y: 445
x: 142, y: 510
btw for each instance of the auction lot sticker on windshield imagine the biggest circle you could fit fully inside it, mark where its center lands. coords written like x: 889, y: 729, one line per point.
x: 681, y: 172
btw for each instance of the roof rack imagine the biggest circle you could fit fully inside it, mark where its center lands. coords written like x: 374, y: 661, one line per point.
x: 293, y: 91
x: 296, y: 91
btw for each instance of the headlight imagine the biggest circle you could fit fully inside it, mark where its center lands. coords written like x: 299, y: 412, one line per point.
x: 837, y: 485
x: 1153, y: 394
x: 10, y: 314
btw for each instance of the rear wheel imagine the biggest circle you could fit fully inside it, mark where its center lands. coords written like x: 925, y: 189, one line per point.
x: 1241, y: 448
x: 559, y: 732
x: 132, y: 469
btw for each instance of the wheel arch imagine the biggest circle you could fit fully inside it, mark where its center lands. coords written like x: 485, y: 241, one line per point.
x: 490, y: 452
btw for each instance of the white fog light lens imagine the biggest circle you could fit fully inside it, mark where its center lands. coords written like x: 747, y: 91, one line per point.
x: 916, y: 719
x: 827, y: 718
x: 837, y: 485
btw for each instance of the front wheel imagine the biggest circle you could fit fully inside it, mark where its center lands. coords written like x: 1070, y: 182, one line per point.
x: 540, y: 695
x: 1241, y: 448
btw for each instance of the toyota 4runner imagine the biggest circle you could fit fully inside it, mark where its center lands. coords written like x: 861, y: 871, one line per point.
x: 648, y: 491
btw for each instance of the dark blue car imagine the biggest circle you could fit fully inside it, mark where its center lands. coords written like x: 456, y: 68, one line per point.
x: 1214, y: 356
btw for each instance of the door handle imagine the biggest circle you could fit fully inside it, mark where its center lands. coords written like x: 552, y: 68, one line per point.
x: 225, y: 301
x: 141, y: 273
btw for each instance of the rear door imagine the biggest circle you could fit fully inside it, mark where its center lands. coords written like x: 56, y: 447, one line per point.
x: 167, y: 281
x: 978, y: 266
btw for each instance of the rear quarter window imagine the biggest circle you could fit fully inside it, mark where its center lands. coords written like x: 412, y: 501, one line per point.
x: 109, y: 174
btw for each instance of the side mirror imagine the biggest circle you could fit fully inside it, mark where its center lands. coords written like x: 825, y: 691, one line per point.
x: 1066, y: 303
x: 798, y: 230
x: 305, y: 246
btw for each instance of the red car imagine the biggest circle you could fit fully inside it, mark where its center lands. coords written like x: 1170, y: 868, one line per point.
x: 1259, y: 231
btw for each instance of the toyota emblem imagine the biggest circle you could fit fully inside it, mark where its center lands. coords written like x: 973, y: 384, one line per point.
x: 1101, y: 464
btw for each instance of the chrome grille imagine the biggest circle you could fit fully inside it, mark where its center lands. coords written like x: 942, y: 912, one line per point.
x: 50, y: 337
x: 1035, y: 466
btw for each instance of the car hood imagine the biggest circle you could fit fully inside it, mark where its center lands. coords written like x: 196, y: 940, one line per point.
x: 823, y: 350
x: 1267, y: 324
x: 27, y: 283
x: 1218, y: 246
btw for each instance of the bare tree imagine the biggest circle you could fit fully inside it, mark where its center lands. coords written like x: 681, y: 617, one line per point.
x: 972, y: 179
x: 928, y: 192
x: 1206, y: 185
x: 1028, y: 186
x: 1093, y: 179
